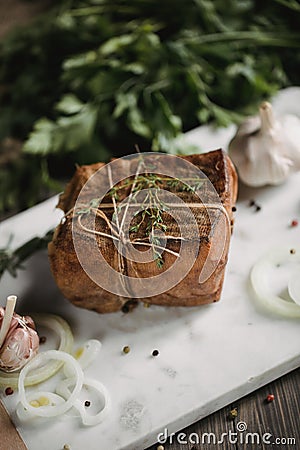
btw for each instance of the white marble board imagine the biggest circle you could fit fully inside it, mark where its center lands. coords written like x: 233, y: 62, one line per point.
x: 209, y: 356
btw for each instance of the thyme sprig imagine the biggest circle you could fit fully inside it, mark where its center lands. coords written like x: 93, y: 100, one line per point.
x: 154, y: 181
x: 151, y: 209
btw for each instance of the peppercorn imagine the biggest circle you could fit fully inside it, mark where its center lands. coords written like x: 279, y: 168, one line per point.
x: 129, y: 306
x: 9, y: 391
x: 155, y: 353
x: 87, y: 403
x: 126, y: 349
x: 233, y: 209
x: 43, y: 339
x: 294, y: 223
x: 253, y: 203
x: 292, y: 251
x: 233, y: 413
x: 270, y: 398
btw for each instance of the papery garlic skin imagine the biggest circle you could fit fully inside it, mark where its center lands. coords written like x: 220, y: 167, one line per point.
x: 21, y: 343
x: 266, y: 150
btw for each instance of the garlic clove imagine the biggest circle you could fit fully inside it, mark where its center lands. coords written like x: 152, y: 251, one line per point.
x: 20, y: 346
x: 262, y: 149
x: 268, y: 123
x: 249, y: 126
x: 29, y: 322
x: 20, y: 342
x: 291, y: 126
x: 274, y: 168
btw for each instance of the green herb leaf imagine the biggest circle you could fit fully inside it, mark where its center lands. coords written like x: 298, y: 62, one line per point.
x: 41, y: 138
x: 69, y: 104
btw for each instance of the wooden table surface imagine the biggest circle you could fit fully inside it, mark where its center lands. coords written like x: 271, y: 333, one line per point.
x: 279, y: 418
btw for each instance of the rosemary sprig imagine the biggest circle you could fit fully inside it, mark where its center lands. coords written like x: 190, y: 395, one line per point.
x: 12, y: 260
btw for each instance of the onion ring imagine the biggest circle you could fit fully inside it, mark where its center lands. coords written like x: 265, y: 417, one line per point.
x: 262, y: 287
x: 57, y: 409
x: 87, y: 419
x: 24, y: 415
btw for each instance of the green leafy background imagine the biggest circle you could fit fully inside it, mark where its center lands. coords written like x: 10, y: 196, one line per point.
x: 92, y: 79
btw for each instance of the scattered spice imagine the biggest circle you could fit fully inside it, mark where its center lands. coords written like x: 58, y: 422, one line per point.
x: 160, y: 447
x: 67, y: 447
x: 253, y: 203
x: 294, y: 223
x: 126, y: 349
x: 43, y: 339
x: 270, y: 398
x: 233, y: 414
x: 146, y: 305
x: 125, y: 309
x: 9, y: 391
x: 233, y: 209
x: 292, y: 251
x: 155, y: 353
x: 87, y: 403
x: 129, y: 306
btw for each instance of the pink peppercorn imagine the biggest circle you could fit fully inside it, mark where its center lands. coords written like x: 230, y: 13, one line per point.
x: 9, y: 391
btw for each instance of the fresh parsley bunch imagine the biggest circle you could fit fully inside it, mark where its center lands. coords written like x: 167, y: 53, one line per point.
x: 93, y: 78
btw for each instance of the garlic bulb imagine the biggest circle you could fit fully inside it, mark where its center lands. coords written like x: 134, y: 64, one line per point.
x: 19, y: 342
x: 265, y: 150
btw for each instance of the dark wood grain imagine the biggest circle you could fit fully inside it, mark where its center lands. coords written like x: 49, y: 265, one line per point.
x: 9, y: 437
x: 280, y: 418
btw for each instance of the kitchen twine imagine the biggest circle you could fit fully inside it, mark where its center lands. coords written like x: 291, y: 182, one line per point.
x: 117, y: 281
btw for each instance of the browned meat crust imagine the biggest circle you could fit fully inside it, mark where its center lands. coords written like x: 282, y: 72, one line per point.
x: 76, y: 285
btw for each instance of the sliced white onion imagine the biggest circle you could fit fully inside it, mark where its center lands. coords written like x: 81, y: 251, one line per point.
x: 59, y: 408
x: 294, y: 287
x: 46, y: 364
x: 89, y: 352
x: 262, y: 285
x: 60, y: 327
x: 87, y: 419
x: 25, y: 415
